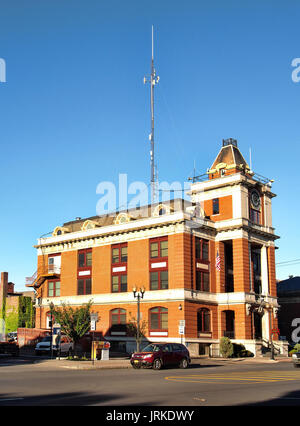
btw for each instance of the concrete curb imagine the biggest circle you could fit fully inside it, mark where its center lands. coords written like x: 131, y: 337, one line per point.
x: 125, y: 363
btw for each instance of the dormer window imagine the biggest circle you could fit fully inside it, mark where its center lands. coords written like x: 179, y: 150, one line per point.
x: 88, y: 224
x: 122, y: 218
x: 161, y: 210
x: 60, y: 230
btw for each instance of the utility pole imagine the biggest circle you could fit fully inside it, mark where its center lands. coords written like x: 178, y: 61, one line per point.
x: 153, y: 80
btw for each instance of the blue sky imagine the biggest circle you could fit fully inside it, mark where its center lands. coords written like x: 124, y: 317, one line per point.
x: 74, y: 110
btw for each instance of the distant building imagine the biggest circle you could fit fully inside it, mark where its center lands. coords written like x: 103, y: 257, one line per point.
x: 207, y: 267
x: 17, y: 308
x: 288, y: 292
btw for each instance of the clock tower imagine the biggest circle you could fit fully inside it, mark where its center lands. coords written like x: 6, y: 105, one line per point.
x: 239, y: 203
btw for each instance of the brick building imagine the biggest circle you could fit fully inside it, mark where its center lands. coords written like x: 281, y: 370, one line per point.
x: 209, y: 262
x: 17, y: 308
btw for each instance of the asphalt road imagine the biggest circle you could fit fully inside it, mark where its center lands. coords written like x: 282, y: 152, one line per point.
x: 209, y: 383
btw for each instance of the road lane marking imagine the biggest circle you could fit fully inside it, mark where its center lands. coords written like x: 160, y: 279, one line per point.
x: 263, y: 377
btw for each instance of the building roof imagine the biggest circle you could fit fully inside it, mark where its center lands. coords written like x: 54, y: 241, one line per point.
x: 289, y: 286
x: 177, y: 204
x: 230, y: 155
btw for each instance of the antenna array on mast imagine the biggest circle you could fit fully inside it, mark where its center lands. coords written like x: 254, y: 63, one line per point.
x: 153, y: 80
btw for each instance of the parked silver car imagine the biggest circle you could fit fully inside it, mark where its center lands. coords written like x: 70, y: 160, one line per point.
x: 64, y: 346
x: 296, y: 359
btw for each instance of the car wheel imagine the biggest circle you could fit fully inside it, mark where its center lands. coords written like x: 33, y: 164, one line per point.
x: 157, y: 364
x: 184, y: 363
x: 296, y: 365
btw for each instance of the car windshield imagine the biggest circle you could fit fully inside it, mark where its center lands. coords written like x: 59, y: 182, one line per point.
x: 151, y: 348
x: 47, y: 339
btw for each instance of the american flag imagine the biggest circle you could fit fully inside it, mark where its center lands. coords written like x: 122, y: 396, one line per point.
x: 218, y: 262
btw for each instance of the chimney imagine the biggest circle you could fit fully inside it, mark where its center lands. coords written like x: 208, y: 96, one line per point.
x: 10, y: 288
x: 3, y: 288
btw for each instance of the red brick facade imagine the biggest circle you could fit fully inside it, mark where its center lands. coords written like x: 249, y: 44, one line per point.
x: 182, y: 285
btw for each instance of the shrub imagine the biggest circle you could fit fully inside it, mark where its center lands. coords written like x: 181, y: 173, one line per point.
x: 294, y: 349
x: 226, y: 347
x: 77, y: 358
x: 239, y: 351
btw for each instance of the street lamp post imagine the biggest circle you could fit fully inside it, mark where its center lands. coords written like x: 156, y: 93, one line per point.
x: 272, y: 348
x: 51, y: 334
x: 138, y: 294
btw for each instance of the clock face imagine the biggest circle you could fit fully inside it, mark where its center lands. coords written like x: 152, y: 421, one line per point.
x: 255, y: 199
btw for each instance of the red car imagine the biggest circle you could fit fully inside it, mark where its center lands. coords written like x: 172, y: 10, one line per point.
x: 158, y: 355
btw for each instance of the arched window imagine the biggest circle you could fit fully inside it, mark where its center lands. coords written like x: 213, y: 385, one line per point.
x: 158, y: 321
x: 203, y: 320
x: 118, y: 322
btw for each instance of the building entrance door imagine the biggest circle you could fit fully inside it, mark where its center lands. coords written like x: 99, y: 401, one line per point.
x: 257, y: 323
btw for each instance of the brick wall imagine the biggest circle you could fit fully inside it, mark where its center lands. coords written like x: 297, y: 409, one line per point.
x: 225, y: 209
x: 241, y: 265
x: 191, y: 310
x: 272, y: 271
x: 242, y: 321
x: 30, y: 336
x: 3, y: 289
x: 220, y: 275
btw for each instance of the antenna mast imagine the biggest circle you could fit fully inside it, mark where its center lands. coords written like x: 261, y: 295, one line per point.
x: 152, y: 80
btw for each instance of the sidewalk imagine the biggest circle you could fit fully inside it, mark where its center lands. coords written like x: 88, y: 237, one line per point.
x: 117, y: 363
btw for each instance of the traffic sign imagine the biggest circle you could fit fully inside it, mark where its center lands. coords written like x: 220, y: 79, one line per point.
x: 181, y: 329
x: 56, y: 329
x: 94, y: 316
x: 94, y: 319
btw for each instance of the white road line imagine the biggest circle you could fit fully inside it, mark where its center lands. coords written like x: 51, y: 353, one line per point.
x: 10, y: 399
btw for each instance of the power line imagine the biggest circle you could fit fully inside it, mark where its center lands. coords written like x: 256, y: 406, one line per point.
x: 290, y: 264
x: 288, y: 261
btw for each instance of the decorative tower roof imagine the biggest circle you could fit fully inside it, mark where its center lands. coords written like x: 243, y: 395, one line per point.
x: 229, y: 160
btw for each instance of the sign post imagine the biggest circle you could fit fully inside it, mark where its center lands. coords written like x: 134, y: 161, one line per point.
x: 94, y: 319
x: 56, y: 334
x: 181, y: 328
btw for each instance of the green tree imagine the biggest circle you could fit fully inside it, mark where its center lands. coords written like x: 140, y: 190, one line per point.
x: 226, y: 347
x: 132, y: 329
x: 74, y: 322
